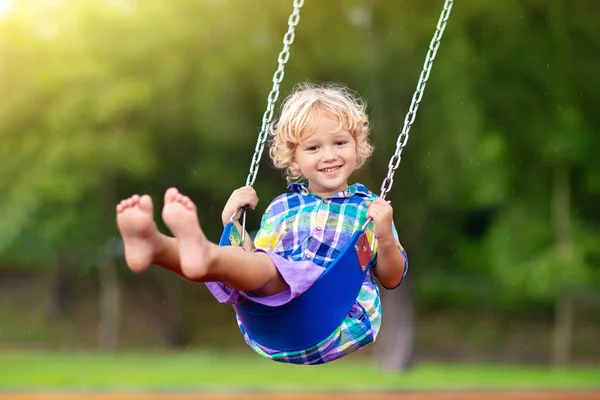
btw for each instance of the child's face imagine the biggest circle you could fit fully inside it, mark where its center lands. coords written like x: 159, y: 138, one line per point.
x: 326, y: 159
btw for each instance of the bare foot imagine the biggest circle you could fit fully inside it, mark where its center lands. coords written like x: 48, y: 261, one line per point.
x: 180, y: 215
x: 135, y: 220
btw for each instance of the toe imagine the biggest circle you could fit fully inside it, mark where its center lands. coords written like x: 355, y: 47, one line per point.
x: 145, y: 203
x: 190, y: 204
x: 171, y: 195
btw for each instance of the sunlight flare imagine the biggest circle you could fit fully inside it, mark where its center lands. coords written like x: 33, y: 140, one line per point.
x: 5, y: 7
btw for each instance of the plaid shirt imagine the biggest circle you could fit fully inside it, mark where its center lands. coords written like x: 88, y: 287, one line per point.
x: 302, y: 226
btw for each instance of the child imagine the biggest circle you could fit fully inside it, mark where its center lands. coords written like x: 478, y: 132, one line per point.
x: 322, y: 137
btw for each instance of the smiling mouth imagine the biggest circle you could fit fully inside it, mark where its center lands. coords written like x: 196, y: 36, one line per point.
x: 330, y: 169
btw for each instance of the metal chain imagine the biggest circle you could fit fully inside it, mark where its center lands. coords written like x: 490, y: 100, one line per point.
x: 284, y: 56
x: 416, y: 99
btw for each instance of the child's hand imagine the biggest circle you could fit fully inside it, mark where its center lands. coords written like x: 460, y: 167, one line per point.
x: 382, y: 213
x: 244, y: 196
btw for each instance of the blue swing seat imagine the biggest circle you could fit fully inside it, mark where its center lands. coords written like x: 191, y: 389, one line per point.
x: 311, y: 317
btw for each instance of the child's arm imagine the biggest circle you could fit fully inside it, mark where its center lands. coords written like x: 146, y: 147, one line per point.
x: 390, y: 256
x: 242, y: 197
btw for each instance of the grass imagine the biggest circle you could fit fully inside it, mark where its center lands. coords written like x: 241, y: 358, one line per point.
x: 213, y: 371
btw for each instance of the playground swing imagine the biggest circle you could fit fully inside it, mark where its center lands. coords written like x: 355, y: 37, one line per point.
x: 314, y: 315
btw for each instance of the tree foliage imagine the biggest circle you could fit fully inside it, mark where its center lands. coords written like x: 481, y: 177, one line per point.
x: 102, y: 99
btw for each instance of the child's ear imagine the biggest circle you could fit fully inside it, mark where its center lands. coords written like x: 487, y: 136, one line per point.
x: 295, y: 166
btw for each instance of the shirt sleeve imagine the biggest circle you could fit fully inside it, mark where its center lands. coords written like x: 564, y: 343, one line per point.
x: 267, y: 236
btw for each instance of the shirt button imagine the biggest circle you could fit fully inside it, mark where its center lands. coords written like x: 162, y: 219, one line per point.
x: 326, y: 201
x: 318, y: 228
x: 307, y: 255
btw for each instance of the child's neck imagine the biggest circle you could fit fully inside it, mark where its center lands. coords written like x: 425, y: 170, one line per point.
x: 326, y: 192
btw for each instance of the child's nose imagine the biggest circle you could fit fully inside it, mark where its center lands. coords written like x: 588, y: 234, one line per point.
x: 329, y: 154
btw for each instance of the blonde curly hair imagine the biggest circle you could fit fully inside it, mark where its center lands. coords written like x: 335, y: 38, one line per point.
x: 300, y: 115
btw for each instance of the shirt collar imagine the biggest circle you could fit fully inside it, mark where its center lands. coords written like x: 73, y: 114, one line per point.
x: 355, y: 189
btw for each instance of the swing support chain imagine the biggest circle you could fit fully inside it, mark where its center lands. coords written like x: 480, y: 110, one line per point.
x: 394, y: 162
x: 283, y: 58
x: 409, y: 119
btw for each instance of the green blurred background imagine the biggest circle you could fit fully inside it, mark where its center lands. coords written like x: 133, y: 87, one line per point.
x: 496, y: 199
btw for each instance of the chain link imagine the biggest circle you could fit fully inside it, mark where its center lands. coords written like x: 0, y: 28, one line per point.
x: 283, y: 57
x: 394, y: 162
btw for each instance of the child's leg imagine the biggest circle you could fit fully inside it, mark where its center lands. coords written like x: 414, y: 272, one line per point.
x: 144, y: 244
x: 204, y: 261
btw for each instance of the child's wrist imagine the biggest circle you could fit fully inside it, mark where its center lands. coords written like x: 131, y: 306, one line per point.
x: 226, y: 217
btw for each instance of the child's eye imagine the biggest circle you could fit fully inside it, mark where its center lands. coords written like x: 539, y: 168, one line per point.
x: 312, y: 148
x: 340, y: 143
